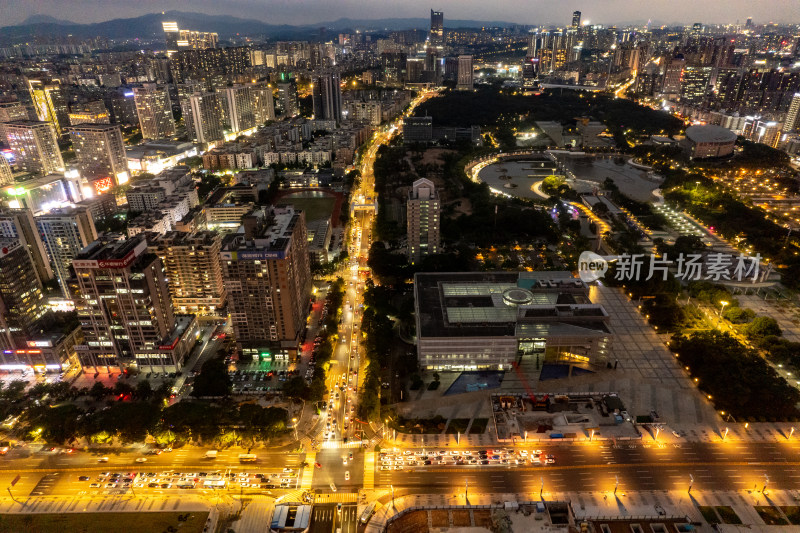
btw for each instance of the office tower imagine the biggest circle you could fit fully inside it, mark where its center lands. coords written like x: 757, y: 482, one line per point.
x: 206, y: 117
x: 576, y: 19
x: 464, y: 73
x: 35, y: 146
x: 327, y: 96
x: 9, y: 112
x: 64, y: 233
x: 6, y: 176
x: 21, y: 298
x: 749, y: 23
x: 436, y: 37
x: 263, y: 103
x: 287, y: 96
x: 433, y: 67
x: 265, y: 268
x: 185, y: 90
x: 155, y: 111
x: 172, y: 34
x: 90, y: 113
x: 422, y: 220
x: 672, y: 75
x: 694, y: 84
x: 178, y: 39
x: 414, y: 68
x: 50, y: 101
x: 20, y: 225
x: 194, y: 271
x: 100, y: 151
x: 792, y: 121
x: 123, y: 305
x: 241, y: 115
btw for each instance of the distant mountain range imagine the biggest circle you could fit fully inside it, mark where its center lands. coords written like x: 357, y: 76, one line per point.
x: 149, y: 26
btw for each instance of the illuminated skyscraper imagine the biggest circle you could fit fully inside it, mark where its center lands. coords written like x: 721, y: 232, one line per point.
x: 792, y: 121
x: 287, y: 96
x: 64, y: 233
x: 35, y: 146
x: 21, y: 298
x: 50, y: 103
x: 6, y: 176
x: 178, y: 39
x: 576, y: 19
x: 155, y: 111
x: 241, y: 115
x: 20, y: 225
x: 100, y: 151
x: 10, y: 111
x: 206, y: 117
x: 263, y: 103
x: 436, y: 37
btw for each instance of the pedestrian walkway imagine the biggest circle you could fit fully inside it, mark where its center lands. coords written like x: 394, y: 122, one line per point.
x: 336, y: 497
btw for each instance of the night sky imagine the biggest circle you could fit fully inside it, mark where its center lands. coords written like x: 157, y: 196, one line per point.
x: 522, y: 11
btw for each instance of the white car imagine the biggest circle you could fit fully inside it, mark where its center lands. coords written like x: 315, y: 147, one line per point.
x: 141, y: 459
x: 347, y: 475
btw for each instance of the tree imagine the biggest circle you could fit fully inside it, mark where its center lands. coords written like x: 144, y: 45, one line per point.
x: 296, y: 388
x: 143, y: 390
x: 99, y: 391
x: 761, y: 327
x: 739, y: 315
x: 213, y: 379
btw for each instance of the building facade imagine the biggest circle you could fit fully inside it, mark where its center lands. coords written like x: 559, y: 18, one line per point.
x: 194, y: 271
x: 20, y: 225
x: 64, y: 233
x: 154, y: 110
x: 465, y: 80
x: 422, y: 220
x: 267, y: 277
x: 35, y: 146
x: 100, y: 151
x: 21, y: 295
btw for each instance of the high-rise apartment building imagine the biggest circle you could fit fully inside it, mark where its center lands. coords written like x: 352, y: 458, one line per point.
x: 65, y: 232
x: 206, y: 117
x: 9, y: 112
x: 155, y: 111
x: 100, y: 151
x: 465, y: 80
x: 287, y: 96
x: 50, y: 101
x: 194, y: 271
x: 436, y: 37
x: 327, y: 96
x: 263, y: 103
x: 123, y: 304
x: 241, y: 115
x: 20, y: 225
x: 422, y: 219
x: 265, y: 269
x: 35, y: 146
x: 21, y: 298
x: 673, y: 74
x: 6, y: 176
x: 792, y: 121
x: 576, y: 19
x: 694, y: 84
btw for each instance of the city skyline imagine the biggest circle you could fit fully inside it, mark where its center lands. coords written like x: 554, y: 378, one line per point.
x: 312, y: 12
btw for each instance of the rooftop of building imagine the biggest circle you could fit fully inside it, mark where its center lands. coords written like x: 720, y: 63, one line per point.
x: 710, y: 134
x: 236, y: 194
x: 112, y: 246
x: 505, y: 304
x: 265, y: 229
x: 165, y: 146
x: 90, y: 126
x: 183, y: 238
x: 291, y: 517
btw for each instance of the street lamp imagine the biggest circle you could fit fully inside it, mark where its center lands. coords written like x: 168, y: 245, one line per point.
x: 591, y: 437
x: 791, y: 433
x: 658, y: 430
x: 691, y: 482
x: 766, y: 482
x: 294, y: 423
x: 725, y: 434
x: 616, y: 484
x: 541, y: 489
x: 722, y: 310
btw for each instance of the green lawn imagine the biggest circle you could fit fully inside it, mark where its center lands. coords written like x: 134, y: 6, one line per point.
x: 155, y: 522
x: 728, y: 515
x: 314, y: 207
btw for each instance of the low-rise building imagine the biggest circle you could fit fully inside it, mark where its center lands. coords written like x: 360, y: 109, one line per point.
x: 491, y: 320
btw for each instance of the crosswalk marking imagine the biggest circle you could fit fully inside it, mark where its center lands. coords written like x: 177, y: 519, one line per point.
x: 337, y: 497
x: 369, y: 470
x: 308, y: 471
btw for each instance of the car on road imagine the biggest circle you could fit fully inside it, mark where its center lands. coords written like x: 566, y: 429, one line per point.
x: 83, y: 478
x: 141, y: 460
x: 103, y: 460
x: 152, y: 485
x: 111, y: 485
x: 333, y: 487
x: 95, y: 485
x: 344, y: 460
x: 166, y: 485
x: 317, y: 465
x: 347, y: 475
x: 678, y: 435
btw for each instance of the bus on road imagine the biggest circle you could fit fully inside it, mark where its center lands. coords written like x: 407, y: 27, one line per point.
x: 247, y: 457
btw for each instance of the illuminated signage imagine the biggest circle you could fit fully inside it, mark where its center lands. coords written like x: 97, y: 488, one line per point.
x: 246, y: 256
x: 103, y: 185
x: 170, y: 346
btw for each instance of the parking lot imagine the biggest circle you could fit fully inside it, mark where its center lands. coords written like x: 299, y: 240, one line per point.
x: 258, y: 381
